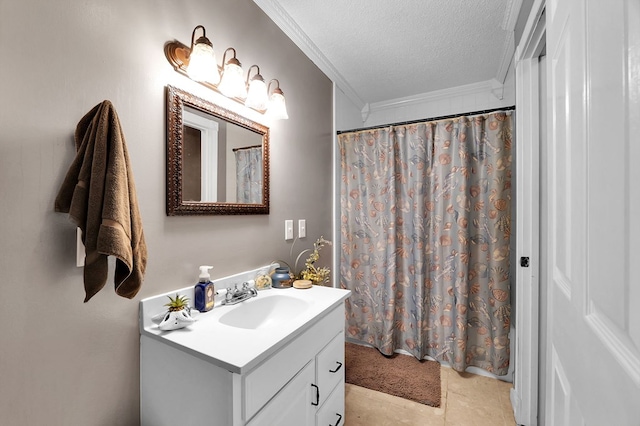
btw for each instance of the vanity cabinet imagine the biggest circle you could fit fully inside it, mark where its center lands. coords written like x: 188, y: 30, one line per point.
x: 300, y: 383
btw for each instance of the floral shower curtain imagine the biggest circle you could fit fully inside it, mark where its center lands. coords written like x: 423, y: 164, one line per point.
x: 425, y: 232
x: 249, y: 175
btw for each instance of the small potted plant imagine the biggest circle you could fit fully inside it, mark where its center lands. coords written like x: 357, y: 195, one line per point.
x: 178, y: 314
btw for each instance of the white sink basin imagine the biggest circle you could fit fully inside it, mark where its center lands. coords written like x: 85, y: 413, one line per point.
x: 264, y: 312
x: 245, y: 334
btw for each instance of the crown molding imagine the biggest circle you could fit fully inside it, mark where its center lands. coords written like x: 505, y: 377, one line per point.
x: 286, y: 23
x: 492, y: 86
x: 508, y: 53
x: 511, y: 15
x: 509, y: 49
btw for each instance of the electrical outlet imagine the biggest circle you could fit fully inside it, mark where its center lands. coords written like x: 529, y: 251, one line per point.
x: 288, y: 229
x: 302, y: 228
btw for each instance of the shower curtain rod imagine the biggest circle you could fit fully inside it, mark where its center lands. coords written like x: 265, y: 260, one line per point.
x: 422, y: 120
x: 246, y: 147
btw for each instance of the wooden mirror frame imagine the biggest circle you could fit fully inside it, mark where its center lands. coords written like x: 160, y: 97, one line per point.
x: 176, y: 101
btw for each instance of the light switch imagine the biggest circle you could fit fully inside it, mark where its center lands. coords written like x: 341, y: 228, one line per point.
x: 302, y: 228
x: 288, y: 229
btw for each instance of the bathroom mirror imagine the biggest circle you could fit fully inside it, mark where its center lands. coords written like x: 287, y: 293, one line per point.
x: 217, y: 160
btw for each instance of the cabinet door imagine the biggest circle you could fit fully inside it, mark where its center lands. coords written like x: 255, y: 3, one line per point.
x: 330, y: 366
x: 332, y: 412
x: 292, y: 405
x: 264, y: 381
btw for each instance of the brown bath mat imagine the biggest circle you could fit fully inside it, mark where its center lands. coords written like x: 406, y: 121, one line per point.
x: 398, y: 375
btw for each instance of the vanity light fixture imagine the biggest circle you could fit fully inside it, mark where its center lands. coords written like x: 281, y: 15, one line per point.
x: 198, y: 62
x: 232, y: 83
x: 276, y: 109
x: 203, y: 65
x: 257, y: 97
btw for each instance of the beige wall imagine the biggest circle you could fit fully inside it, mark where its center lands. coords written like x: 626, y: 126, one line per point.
x: 63, y: 362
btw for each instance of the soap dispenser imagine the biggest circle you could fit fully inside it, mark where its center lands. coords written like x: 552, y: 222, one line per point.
x: 204, y: 291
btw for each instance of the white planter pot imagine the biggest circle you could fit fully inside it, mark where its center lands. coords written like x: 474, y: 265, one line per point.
x: 175, y: 320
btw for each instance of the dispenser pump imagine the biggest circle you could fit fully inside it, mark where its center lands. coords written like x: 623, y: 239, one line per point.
x: 204, y: 274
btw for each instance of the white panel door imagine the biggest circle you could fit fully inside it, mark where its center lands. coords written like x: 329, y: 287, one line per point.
x: 593, y: 355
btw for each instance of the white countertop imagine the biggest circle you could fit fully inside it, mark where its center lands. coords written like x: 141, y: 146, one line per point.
x: 237, y: 349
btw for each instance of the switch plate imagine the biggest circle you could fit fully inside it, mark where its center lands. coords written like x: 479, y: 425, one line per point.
x: 302, y: 228
x: 288, y: 229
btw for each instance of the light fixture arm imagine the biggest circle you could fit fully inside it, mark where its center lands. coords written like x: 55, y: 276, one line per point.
x: 257, y: 75
x: 276, y: 89
x: 202, y: 39
x: 233, y: 60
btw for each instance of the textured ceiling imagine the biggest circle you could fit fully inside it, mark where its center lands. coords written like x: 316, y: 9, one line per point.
x: 385, y: 49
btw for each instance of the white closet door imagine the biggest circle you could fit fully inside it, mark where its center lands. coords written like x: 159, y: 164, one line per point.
x: 593, y: 356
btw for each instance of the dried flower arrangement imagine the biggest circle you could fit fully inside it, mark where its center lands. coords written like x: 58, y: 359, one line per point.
x: 310, y: 272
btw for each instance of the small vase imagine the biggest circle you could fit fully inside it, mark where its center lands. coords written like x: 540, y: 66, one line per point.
x: 281, y: 278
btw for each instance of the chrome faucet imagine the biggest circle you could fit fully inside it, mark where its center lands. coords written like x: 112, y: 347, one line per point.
x: 236, y: 295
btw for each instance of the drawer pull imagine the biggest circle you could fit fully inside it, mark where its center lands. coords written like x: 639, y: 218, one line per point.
x: 339, y: 418
x: 337, y: 368
x: 317, y: 395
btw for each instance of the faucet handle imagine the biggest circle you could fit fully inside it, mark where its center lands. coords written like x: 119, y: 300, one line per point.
x: 245, y: 285
x: 229, y: 295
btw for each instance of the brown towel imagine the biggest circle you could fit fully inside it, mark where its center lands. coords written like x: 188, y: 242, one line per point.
x: 100, y: 197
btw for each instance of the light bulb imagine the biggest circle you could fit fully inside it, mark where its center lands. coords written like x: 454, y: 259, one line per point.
x: 277, y: 108
x: 202, y: 64
x: 232, y: 84
x: 257, y: 97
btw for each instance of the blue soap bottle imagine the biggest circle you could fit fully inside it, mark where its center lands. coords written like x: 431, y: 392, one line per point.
x: 204, y: 291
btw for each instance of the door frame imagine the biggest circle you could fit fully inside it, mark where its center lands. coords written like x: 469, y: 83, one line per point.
x: 524, y: 394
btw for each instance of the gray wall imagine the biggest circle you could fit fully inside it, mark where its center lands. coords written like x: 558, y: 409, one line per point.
x: 348, y: 116
x: 63, y: 362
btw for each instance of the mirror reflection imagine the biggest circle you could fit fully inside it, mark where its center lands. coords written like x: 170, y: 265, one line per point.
x: 217, y: 160
x: 222, y: 162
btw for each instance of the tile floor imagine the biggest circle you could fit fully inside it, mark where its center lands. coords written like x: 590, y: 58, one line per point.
x: 467, y: 400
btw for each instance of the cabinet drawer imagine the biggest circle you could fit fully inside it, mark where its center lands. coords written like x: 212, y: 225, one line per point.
x: 292, y: 405
x: 332, y: 412
x: 330, y: 366
x: 262, y: 383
